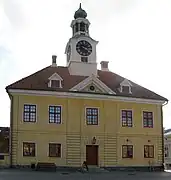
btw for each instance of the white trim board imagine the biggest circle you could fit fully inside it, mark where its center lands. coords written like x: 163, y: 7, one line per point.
x: 85, y: 96
x: 55, y: 76
x: 125, y: 82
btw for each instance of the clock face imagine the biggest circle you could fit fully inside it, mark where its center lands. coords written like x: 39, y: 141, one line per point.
x: 84, y: 48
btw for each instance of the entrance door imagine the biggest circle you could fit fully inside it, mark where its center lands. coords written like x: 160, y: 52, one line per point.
x: 92, y: 154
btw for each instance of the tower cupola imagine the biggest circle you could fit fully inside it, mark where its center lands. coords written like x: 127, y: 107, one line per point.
x: 80, y: 13
x: 80, y: 25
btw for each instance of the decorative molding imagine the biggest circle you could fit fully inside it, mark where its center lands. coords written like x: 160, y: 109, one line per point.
x: 126, y: 83
x: 55, y: 77
x: 92, y: 79
x: 85, y: 96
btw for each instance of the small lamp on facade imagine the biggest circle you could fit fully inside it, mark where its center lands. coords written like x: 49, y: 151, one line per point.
x: 93, y: 140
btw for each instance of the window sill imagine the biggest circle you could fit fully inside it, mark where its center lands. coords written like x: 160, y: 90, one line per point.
x: 29, y: 121
x: 54, y: 156
x: 92, y: 124
x: 127, y: 126
x: 28, y: 156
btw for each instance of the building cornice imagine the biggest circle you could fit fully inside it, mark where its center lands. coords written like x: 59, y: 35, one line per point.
x: 77, y: 95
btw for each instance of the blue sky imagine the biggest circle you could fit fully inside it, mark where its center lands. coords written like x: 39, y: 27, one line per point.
x: 134, y: 36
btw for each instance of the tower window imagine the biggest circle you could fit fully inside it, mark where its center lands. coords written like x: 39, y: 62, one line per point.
x: 76, y: 27
x: 82, y: 27
x: 84, y: 59
x: 86, y: 27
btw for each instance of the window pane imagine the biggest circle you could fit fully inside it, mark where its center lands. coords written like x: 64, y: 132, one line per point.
x: 124, y: 151
x: 51, y: 109
x: 125, y: 89
x: 28, y: 149
x: 55, y: 114
x: 29, y: 113
x: 123, y: 113
x: 92, y: 116
x: 54, y: 150
x: 127, y: 151
x: 127, y: 118
x: 148, y: 119
x: 148, y: 151
x: 151, y: 151
x: 129, y: 113
x: 55, y: 83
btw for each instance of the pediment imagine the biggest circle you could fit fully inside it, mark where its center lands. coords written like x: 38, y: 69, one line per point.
x: 55, y: 76
x: 125, y: 82
x: 92, y: 84
x: 93, y: 87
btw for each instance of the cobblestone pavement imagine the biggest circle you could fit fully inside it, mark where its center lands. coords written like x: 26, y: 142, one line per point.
x: 32, y: 175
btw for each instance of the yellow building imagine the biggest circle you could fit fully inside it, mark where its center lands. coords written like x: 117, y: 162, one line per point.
x: 67, y: 115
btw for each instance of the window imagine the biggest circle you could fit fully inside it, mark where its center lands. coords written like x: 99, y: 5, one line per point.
x: 84, y: 59
x: 82, y: 26
x: 166, y: 151
x: 147, y: 119
x: 125, y: 89
x: 29, y: 113
x: 92, y: 116
x: 2, y: 157
x: 127, y: 151
x: 76, y: 27
x: 55, y: 114
x: 54, y: 150
x: 126, y: 118
x: 148, y: 151
x: 55, y: 83
x: 28, y: 149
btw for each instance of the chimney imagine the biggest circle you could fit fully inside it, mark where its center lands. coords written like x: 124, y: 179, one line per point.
x: 54, y: 60
x: 104, y: 65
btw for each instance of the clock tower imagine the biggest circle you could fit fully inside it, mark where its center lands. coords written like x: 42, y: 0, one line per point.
x: 81, y: 48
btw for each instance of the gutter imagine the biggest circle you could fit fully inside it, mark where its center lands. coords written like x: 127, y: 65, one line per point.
x: 163, y: 151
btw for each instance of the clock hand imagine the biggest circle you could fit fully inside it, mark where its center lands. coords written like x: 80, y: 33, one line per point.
x: 84, y: 48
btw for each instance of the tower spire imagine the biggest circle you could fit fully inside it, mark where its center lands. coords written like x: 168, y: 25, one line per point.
x: 80, y: 13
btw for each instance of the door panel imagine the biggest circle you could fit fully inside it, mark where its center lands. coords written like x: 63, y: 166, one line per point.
x: 92, y: 154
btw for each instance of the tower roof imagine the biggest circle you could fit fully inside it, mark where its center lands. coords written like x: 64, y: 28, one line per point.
x: 80, y: 13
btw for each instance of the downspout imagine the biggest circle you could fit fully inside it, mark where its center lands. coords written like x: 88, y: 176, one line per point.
x: 11, y: 129
x: 162, y: 133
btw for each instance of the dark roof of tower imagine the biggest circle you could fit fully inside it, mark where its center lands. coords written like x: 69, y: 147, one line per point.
x: 80, y: 13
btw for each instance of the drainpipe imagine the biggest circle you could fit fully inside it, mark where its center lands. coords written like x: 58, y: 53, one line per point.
x: 11, y: 129
x: 163, y: 132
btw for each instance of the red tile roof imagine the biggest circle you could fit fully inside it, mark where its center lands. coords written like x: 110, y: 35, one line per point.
x: 39, y: 81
